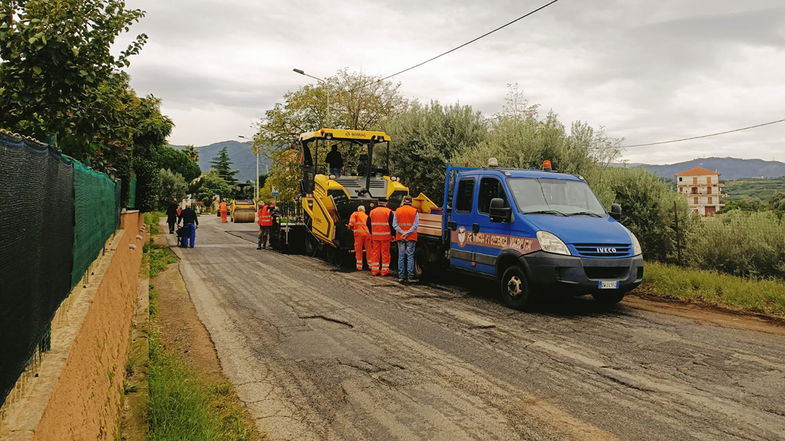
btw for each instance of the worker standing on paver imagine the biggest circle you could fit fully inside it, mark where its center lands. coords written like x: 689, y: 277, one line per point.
x: 190, y: 223
x: 405, y: 222
x: 265, y: 223
x: 358, y: 223
x: 223, y: 209
x: 380, y: 224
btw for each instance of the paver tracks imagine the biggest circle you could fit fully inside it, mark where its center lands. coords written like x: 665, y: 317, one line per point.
x: 325, y: 355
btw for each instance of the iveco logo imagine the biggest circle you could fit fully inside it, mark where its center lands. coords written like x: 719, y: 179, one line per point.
x: 606, y: 250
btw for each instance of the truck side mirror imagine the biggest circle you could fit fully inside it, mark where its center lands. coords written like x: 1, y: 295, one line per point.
x: 616, y: 211
x: 498, y: 211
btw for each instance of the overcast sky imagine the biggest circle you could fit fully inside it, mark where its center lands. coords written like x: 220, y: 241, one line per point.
x: 644, y: 70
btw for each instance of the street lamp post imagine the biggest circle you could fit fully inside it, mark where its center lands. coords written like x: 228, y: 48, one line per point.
x: 255, y: 149
x: 326, y: 91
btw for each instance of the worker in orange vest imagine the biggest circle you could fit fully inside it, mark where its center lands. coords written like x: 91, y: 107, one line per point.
x: 222, y: 209
x: 358, y: 223
x: 380, y: 224
x: 405, y: 222
x: 265, y: 223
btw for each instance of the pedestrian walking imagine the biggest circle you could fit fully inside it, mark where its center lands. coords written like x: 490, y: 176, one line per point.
x: 265, y: 221
x: 358, y: 223
x: 190, y: 224
x: 405, y: 222
x: 172, y: 214
x: 223, y: 209
x: 380, y: 224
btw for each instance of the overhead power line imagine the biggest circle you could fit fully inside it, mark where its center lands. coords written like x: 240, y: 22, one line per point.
x: 707, y: 135
x: 534, y: 11
x: 470, y: 41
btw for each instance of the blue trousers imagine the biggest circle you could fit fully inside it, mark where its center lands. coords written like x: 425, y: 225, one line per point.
x: 406, y: 259
x: 189, y: 239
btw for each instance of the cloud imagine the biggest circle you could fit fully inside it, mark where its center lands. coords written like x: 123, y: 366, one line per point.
x: 646, y: 71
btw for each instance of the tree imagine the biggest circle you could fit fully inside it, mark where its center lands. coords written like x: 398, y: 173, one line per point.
x: 285, y: 174
x: 57, y: 66
x: 223, y: 166
x: 777, y: 201
x: 520, y: 137
x: 425, y: 137
x: 211, y: 184
x: 192, y: 153
x: 263, y: 179
x: 152, y: 129
x: 177, y: 161
x: 356, y: 101
x: 172, y: 186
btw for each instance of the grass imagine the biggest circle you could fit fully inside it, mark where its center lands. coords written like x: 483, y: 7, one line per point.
x: 765, y: 296
x: 160, y: 256
x: 184, y: 406
x: 153, y: 219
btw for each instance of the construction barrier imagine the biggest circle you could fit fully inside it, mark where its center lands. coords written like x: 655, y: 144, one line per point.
x: 55, y: 216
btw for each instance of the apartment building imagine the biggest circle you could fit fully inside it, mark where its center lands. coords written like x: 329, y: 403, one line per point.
x: 702, y: 189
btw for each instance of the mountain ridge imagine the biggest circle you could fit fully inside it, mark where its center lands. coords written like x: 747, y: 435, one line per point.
x: 239, y: 154
x: 729, y: 168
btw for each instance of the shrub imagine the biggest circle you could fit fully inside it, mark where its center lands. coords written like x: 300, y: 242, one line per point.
x: 740, y: 243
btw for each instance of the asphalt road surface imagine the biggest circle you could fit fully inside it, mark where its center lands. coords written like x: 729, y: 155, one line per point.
x: 321, y: 354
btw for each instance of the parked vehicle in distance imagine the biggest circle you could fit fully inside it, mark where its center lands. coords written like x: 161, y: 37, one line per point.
x: 535, y: 232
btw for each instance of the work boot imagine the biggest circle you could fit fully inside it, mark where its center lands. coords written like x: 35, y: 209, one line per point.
x: 258, y: 248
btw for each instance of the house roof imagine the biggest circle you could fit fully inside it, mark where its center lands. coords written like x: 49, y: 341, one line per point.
x: 697, y: 171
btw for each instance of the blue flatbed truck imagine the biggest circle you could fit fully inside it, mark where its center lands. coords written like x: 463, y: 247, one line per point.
x: 535, y: 232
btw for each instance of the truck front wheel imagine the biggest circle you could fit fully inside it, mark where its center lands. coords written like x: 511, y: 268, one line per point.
x: 515, y: 289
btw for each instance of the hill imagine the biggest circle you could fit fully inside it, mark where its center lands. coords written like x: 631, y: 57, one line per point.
x: 240, y: 155
x: 755, y: 188
x: 729, y: 168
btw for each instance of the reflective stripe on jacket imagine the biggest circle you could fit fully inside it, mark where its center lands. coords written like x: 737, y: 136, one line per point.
x: 358, y: 222
x: 405, y: 216
x: 265, y: 218
x: 380, y: 223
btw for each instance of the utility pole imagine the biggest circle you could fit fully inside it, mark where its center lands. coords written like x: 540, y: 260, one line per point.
x: 678, y: 232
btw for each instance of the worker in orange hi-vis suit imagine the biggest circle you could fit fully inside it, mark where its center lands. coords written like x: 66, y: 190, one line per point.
x: 380, y: 224
x: 223, y: 209
x: 358, y: 223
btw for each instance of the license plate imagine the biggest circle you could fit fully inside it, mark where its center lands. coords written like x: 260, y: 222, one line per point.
x: 608, y: 284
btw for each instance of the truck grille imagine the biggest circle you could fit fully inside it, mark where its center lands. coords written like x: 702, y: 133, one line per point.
x: 602, y: 272
x: 602, y: 249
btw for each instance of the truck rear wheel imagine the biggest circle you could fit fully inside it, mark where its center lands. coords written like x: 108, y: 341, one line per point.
x: 515, y: 289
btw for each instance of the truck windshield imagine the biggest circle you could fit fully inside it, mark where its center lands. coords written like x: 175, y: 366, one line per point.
x: 557, y: 197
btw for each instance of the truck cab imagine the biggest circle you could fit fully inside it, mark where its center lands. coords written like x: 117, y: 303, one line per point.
x: 537, y: 232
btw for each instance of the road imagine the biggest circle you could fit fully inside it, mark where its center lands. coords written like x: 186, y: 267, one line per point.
x: 320, y: 354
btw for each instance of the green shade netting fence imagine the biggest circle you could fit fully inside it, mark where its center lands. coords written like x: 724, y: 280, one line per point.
x: 132, y: 192
x: 96, y: 216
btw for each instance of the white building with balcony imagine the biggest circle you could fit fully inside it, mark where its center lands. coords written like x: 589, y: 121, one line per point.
x: 702, y: 189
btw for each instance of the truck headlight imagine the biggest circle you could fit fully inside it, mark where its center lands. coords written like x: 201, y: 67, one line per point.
x: 636, y: 246
x: 552, y: 244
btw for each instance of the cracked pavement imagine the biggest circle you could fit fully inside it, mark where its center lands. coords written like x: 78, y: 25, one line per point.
x: 320, y: 354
